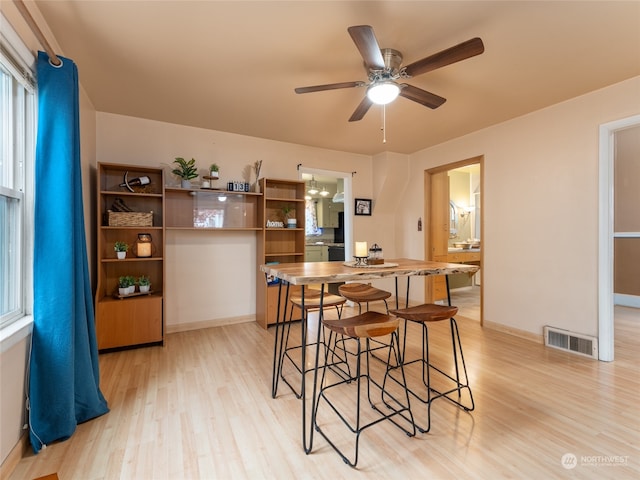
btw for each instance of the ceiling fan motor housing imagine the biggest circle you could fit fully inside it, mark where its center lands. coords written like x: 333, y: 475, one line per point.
x: 392, y: 59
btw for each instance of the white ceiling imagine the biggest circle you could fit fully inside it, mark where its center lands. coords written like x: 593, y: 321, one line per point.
x: 233, y: 66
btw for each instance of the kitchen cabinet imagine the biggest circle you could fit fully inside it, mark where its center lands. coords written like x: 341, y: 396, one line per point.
x: 316, y: 253
x: 327, y: 213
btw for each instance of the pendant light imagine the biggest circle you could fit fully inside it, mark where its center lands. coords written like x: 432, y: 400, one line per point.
x: 313, y: 186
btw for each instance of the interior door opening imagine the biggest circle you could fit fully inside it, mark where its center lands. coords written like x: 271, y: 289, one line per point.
x: 453, y: 231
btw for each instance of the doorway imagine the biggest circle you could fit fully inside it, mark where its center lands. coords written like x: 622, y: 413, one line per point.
x: 606, y: 235
x: 339, y: 184
x: 453, y: 231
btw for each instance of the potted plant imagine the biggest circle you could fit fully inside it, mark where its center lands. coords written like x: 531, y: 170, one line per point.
x: 289, y: 216
x: 144, y: 284
x: 121, y: 249
x: 214, y: 170
x: 123, y: 285
x: 132, y: 283
x: 186, y: 170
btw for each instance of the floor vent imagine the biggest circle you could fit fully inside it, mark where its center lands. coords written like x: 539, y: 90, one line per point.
x: 571, y: 342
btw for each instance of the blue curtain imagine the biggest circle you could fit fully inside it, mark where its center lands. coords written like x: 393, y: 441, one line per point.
x: 64, y: 379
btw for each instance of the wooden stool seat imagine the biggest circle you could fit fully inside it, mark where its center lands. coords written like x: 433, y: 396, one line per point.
x: 312, y: 300
x: 361, y: 292
x: 365, y: 325
x: 429, y: 312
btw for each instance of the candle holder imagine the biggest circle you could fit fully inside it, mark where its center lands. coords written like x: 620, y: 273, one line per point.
x: 144, y: 246
x: 360, y: 261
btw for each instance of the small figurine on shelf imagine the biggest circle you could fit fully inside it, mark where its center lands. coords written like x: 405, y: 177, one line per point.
x: 121, y: 249
x: 186, y: 170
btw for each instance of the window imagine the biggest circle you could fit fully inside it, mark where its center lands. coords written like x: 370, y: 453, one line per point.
x: 311, y: 219
x: 17, y: 161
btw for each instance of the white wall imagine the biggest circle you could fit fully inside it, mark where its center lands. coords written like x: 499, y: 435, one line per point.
x: 540, y: 208
x: 211, y: 276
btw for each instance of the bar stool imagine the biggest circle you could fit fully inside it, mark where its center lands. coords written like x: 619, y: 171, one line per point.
x: 425, y: 314
x: 365, y: 326
x: 363, y: 293
x: 311, y: 303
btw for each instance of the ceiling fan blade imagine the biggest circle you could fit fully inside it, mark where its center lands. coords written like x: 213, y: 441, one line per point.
x: 361, y: 109
x: 421, y: 96
x: 365, y: 40
x: 462, y: 51
x: 330, y: 86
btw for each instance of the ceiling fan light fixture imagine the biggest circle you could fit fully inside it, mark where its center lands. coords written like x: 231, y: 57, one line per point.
x: 383, y: 93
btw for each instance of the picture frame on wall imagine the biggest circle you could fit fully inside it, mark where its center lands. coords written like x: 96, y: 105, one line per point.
x: 363, y: 206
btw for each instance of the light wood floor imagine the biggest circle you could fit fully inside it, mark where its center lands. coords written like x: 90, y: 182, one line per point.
x: 200, y: 408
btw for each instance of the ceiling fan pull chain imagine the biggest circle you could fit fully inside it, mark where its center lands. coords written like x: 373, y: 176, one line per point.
x: 384, y: 124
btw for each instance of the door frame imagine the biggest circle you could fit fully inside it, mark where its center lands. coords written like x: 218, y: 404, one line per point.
x: 606, y: 234
x: 348, y: 204
x: 428, y: 224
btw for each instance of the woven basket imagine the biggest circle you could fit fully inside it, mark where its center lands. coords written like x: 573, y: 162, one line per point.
x: 129, y: 219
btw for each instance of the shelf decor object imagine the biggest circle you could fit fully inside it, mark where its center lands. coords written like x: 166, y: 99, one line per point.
x: 144, y: 247
x: 186, y: 170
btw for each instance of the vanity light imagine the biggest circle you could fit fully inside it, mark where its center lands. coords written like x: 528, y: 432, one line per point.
x: 382, y: 93
x: 465, y: 211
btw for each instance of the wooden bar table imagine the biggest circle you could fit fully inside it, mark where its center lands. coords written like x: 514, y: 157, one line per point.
x: 313, y: 273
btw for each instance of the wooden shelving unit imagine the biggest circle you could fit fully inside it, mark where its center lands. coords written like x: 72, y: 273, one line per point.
x: 139, y: 320
x: 277, y: 244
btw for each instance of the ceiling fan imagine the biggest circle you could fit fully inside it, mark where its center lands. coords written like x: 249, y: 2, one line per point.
x: 384, y: 69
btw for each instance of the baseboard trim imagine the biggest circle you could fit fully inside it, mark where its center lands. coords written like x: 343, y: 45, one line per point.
x: 218, y: 322
x: 625, y: 300
x: 532, y: 337
x: 18, y: 451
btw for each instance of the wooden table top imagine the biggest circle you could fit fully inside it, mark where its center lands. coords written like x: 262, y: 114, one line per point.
x: 305, y: 273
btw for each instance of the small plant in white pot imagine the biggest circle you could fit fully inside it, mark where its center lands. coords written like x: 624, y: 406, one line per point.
x: 132, y: 284
x: 214, y: 170
x: 144, y: 284
x: 289, y: 215
x: 121, y: 249
x: 124, y: 284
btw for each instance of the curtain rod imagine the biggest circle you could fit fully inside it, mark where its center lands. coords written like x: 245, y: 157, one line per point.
x: 53, y: 58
